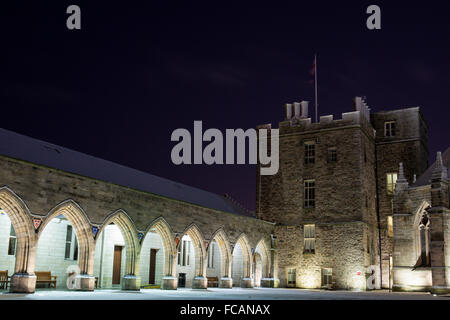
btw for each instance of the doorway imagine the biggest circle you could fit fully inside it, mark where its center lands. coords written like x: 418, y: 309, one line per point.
x: 117, y: 264
x: 152, y: 269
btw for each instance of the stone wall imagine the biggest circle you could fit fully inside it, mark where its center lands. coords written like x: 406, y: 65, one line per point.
x: 409, y: 146
x: 338, y: 246
x: 43, y: 188
x: 345, y: 208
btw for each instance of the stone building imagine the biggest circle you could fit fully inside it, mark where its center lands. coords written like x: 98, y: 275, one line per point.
x: 95, y: 224
x: 354, y: 205
x: 333, y: 198
x: 421, y: 257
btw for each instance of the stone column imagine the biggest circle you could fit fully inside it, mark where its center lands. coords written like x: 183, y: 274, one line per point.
x: 200, y: 282
x: 226, y: 282
x: 271, y: 281
x: 170, y: 281
x: 24, y: 280
x: 131, y: 282
x: 85, y: 282
x: 23, y: 283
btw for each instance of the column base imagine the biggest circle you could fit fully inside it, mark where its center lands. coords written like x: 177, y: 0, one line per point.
x: 23, y: 283
x: 85, y: 282
x: 270, y: 282
x: 131, y: 282
x: 200, y: 283
x: 247, y: 283
x: 440, y: 290
x: 226, y: 283
x: 169, y: 283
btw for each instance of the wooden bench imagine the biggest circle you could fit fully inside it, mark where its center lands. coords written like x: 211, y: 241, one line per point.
x: 213, y: 281
x: 45, y: 277
x: 4, y: 279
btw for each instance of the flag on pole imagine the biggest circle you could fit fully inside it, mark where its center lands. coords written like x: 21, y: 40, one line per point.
x: 314, y: 73
x: 313, y: 69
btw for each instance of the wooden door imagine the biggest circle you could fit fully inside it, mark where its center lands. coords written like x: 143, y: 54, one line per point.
x: 151, y: 276
x: 117, y: 264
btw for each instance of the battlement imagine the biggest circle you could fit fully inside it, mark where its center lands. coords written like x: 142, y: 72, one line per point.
x: 297, y: 118
x: 326, y: 122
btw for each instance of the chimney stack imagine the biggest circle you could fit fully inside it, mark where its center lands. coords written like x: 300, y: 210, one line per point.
x: 288, y: 111
x: 304, y: 109
x: 297, y: 109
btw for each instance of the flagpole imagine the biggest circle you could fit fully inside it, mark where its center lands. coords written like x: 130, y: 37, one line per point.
x: 315, y: 82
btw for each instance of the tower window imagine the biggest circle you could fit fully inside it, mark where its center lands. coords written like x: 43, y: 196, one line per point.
x: 391, y: 180
x: 310, y: 152
x: 309, y: 194
x: 309, y: 236
x: 389, y: 129
x: 332, y: 155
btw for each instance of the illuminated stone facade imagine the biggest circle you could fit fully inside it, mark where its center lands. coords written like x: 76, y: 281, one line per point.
x: 29, y: 191
x: 353, y: 198
x: 354, y: 167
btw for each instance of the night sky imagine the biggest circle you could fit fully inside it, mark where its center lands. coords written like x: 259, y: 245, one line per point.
x: 136, y: 71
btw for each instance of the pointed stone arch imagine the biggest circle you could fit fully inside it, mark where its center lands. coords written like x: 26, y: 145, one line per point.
x: 162, y: 227
x: 23, y: 279
x: 421, y: 209
x: 422, y: 234
x: 263, y: 250
x: 120, y: 218
x: 198, y: 241
x: 247, y: 260
x: 222, y: 241
x: 75, y: 214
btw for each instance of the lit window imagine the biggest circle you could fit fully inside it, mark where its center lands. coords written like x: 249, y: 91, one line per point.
x: 332, y: 155
x: 390, y: 226
x: 184, y: 253
x: 389, y: 129
x: 12, y: 242
x: 68, y: 241
x: 291, y: 277
x: 309, y: 194
x: 75, y: 250
x: 310, y: 152
x: 391, y: 180
x: 179, y: 253
x: 211, y: 255
x: 309, y: 236
x: 327, y: 277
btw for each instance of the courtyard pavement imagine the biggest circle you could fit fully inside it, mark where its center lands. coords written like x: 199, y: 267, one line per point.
x: 220, y: 294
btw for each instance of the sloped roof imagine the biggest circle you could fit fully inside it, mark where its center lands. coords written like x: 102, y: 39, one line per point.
x: 21, y: 147
x: 425, y: 178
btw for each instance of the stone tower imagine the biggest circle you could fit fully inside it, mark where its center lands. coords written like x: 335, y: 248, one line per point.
x: 401, y: 137
x: 330, y: 223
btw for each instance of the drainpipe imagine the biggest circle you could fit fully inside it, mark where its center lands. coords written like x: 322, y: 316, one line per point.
x: 377, y: 205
